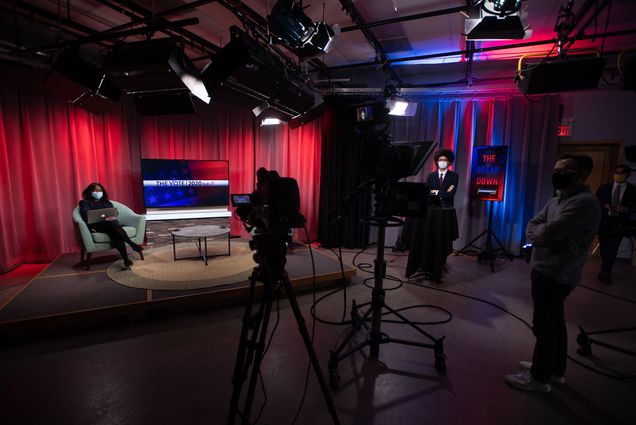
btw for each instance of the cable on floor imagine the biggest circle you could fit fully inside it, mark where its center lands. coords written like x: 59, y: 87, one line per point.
x: 497, y: 306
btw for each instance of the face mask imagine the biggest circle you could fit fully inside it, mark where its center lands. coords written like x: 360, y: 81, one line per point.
x: 442, y: 164
x: 620, y: 178
x: 564, y: 179
x: 97, y: 195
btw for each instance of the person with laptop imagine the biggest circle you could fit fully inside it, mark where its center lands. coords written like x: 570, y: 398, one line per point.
x: 101, y: 216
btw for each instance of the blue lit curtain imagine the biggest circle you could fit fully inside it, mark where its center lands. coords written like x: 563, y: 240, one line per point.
x: 527, y: 128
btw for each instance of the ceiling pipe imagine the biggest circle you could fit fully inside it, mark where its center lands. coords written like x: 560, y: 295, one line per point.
x: 587, y: 23
x: 135, y: 10
x: 46, y: 18
x: 165, y: 14
x: 480, y: 50
x: 405, y: 18
x: 380, y: 51
x: 238, y: 6
x: 52, y: 17
x: 111, y: 36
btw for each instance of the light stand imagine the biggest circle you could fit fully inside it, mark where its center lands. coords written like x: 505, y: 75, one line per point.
x: 270, y: 254
x: 488, y: 253
x: 376, y: 337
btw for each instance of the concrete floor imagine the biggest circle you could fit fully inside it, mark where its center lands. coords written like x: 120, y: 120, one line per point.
x: 178, y: 370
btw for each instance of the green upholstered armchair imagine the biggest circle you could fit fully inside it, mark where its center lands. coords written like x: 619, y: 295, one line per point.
x: 134, y: 224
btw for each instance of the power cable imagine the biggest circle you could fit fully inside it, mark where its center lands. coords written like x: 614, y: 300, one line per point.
x: 497, y: 306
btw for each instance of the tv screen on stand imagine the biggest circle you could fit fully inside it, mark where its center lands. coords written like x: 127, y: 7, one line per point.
x: 176, y: 184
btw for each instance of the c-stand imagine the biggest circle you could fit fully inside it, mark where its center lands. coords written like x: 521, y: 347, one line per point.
x: 376, y: 337
x: 270, y: 256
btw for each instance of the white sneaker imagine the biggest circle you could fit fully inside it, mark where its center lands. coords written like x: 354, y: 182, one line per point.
x: 525, y: 381
x: 555, y: 379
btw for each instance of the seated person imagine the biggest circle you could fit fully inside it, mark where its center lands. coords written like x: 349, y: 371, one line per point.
x: 95, y: 197
x: 443, y: 182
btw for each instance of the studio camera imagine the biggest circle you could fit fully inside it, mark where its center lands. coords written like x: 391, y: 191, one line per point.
x: 386, y: 162
x: 274, y: 205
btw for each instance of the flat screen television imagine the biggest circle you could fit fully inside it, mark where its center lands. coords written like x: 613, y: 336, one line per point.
x: 178, y: 183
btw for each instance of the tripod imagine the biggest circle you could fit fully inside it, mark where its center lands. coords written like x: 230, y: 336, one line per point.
x: 376, y: 336
x: 270, y: 254
x: 488, y: 253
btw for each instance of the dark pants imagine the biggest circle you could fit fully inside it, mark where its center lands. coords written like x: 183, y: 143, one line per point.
x: 117, y: 235
x: 548, y: 325
x: 609, y: 250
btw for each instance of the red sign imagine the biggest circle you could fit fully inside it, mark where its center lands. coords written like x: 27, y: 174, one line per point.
x: 564, y: 130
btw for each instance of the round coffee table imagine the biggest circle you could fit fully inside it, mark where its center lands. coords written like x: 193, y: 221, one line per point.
x: 198, y: 233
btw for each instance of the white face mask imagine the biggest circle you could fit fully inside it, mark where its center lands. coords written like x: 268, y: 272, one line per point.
x: 442, y: 164
x: 97, y: 195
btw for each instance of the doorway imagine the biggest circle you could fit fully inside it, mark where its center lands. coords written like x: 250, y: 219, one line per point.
x: 605, y: 155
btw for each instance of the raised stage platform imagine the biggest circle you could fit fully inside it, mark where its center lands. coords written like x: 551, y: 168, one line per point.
x: 65, y: 297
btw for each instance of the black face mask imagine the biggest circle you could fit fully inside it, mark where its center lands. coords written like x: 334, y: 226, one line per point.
x: 564, y: 179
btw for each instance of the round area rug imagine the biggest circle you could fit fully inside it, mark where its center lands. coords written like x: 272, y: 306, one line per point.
x: 160, y: 271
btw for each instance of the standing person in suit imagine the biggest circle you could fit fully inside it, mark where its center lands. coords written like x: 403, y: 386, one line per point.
x: 618, y: 202
x: 95, y: 197
x: 443, y: 182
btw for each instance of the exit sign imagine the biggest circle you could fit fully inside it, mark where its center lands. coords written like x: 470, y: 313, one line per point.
x: 564, y: 130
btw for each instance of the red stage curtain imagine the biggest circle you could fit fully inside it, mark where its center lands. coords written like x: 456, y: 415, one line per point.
x: 50, y: 151
x: 295, y: 153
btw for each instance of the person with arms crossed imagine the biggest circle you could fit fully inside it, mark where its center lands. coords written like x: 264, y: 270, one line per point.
x: 561, y: 234
x: 443, y: 182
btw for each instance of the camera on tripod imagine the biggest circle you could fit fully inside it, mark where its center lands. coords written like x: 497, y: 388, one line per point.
x: 273, y: 207
x: 386, y: 162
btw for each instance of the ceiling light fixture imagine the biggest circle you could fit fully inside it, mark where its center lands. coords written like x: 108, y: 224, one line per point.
x: 496, y: 20
x: 289, y: 23
x: 271, y: 121
x: 400, y: 107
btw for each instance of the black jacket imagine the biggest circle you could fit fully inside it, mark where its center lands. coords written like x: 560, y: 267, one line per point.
x: 604, y: 195
x: 450, y: 179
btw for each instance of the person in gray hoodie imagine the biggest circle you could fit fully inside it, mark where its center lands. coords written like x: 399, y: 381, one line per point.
x: 561, y: 234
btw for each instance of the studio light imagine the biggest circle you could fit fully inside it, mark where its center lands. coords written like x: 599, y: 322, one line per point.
x: 158, y: 74
x: 271, y: 121
x: 401, y: 107
x: 502, y: 6
x: 496, y: 20
x: 196, y: 86
x: 289, y: 23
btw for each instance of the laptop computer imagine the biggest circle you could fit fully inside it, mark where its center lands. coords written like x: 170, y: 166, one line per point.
x: 95, y: 216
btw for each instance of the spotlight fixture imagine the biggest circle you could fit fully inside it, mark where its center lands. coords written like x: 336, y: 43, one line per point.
x: 271, y: 121
x: 289, y: 23
x: 502, y: 7
x: 400, y: 107
x: 496, y: 20
x: 397, y: 105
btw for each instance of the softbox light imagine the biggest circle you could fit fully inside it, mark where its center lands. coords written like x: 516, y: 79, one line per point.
x: 153, y: 66
x: 559, y: 75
